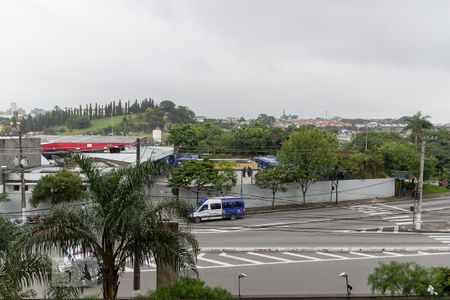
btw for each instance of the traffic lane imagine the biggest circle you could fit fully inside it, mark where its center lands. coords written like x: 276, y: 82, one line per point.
x: 312, y: 237
x: 286, y: 218
x: 300, y: 278
x: 307, y: 278
x: 429, y: 203
x: 279, y: 216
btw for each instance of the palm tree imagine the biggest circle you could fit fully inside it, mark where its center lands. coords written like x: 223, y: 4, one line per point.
x: 417, y: 124
x: 119, y: 223
x: 19, y: 266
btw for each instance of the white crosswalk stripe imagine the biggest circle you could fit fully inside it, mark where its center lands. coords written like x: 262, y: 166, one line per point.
x: 443, y: 237
x: 397, y: 215
x: 208, y: 260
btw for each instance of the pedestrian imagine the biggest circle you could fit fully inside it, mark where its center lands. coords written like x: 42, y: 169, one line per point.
x: 404, y: 191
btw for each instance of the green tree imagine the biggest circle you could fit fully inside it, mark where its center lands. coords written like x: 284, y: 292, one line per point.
x: 187, y: 288
x: 265, y: 120
x: 226, y: 178
x: 306, y: 153
x: 120, y: 221
x: 201, y: 176
x: 63, y: 186
x: 366, y: 164
x: 400, y: 278
x: 185, y: 135
x: 399, y: 156
x: 417, y: 124
x: 273, y: 179
x: 374, y: 140
x: 20, y: 267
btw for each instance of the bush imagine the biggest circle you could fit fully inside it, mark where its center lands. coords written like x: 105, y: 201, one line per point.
x: 63, y: 186
x: 441, y: 281
x: 187, y: 288
x: 78, y: 123
x: 409, y: 279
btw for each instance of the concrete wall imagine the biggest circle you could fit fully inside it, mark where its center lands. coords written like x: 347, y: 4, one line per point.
x: 354, y: 189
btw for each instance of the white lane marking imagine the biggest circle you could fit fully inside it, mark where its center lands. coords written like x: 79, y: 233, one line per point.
x: 439, y: 236
x: 424, y: 253
x: 362, y: 254
x: 446, y: 238
x: 303, y: 261
x: 404, y: 223
x: 332, y: 255
x: 438, y: 208
x: 302, y: 256
x: 392, y: 253
x: 394, y: 207
x: 269, y: 256
x: 381, y: 213
x: 200, y: 257
x: 217, y: 230
x: 242, y: 259
x: 397, y: 217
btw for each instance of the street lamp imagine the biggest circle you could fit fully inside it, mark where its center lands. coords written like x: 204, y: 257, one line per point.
x: 349, y: 287
x: 242, y: 275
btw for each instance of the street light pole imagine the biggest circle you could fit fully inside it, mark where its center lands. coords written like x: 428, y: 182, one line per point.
x: 242, y: 275
x: 418, y: 218
x: 348, y: 286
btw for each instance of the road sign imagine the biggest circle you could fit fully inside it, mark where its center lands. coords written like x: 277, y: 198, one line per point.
x: 400, y: 174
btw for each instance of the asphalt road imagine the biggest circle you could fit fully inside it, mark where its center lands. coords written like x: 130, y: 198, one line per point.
x: 303, y: 252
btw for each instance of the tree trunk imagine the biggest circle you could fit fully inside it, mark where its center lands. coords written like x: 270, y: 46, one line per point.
x: 166, y: 274
x: 336, y: 189
x: 110, y: 282
x: 136, y: 274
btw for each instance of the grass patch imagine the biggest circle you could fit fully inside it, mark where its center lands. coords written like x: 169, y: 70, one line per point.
x: 431, y: 189
x: 97, y: 124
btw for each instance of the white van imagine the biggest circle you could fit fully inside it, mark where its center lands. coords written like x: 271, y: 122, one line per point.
x: 219, y: 208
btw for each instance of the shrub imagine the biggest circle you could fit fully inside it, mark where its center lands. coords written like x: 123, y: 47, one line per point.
x: 187, y: 288
x: 78, y: 123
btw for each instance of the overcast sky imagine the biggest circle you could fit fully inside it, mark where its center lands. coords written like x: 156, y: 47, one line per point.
x: 371, y: 59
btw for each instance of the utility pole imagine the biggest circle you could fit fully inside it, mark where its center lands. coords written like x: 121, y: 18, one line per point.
x: 366, y: 138
x: 136, y: 261
x: 418, y: 218
x: 22, y: 176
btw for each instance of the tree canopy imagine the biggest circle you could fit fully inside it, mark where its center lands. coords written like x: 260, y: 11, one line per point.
x: 63, y: 186
x: 120, y: 220
x: 201, y: 176
x: 273, y: 179
x: 306, y: 153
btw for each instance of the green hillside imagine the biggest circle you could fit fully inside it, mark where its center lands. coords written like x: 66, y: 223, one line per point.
x: 97, y: 125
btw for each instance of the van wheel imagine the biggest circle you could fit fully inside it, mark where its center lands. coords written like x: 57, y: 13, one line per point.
x: 198, y: 220
x: 232, y: 217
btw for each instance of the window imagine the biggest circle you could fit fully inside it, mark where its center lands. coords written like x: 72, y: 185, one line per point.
x: 17, y: 187
x: 216, y: 206
x: 204, y: 207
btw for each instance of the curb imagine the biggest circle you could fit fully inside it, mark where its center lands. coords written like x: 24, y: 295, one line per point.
x: 323, y: 249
